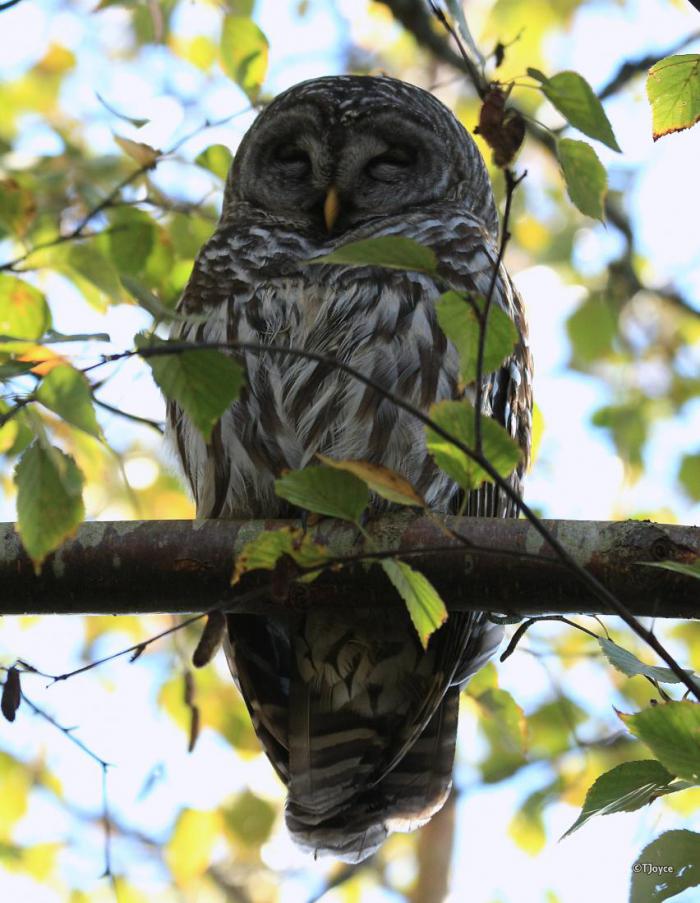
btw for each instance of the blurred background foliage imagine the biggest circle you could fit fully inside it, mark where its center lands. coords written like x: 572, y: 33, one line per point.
x: 80, y: 211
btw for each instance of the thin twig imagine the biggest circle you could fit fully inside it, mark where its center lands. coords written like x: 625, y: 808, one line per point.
x: 68, y: 731
x: 526, y: 625
x: 138, y: 648
x: 104, y: 765
x: 154, y: 424
x: 474, y: 75
x: 632, y: 68
x: 511, y: 184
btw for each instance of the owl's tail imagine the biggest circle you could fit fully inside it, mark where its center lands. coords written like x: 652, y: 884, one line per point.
x: 339, y: 805
x: 359, y: 723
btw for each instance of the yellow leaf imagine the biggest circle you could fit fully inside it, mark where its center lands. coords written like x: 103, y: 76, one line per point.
x: 244, y: 53
x: 527, y: 830
x: 45, y: 358
x: 126, y: 893
x: 385, y: 482
x: 685, y: 803
x: 39, y: 861
x: 14, y: 793
x: 144, y: 154
x: 189, y: 849
x: 56, y: 60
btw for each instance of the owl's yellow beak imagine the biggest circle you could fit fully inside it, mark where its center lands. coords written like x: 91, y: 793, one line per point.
x: 331, y: 207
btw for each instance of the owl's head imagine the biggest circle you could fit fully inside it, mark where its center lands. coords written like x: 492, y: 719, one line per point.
x: 332, y: 153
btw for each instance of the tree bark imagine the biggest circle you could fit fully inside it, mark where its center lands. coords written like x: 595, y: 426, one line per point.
x: 501, y: 565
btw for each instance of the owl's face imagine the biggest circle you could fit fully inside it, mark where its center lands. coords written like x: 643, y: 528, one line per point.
x: 329, y: 154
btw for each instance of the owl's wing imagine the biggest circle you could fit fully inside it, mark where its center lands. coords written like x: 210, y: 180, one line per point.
x: 217, y: 281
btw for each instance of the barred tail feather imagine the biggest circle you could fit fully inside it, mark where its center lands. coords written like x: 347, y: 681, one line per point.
x: 359, y: 723
x: 361, y: 814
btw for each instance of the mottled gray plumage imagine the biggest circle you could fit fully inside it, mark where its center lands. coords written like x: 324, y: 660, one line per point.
x: 357, y: 720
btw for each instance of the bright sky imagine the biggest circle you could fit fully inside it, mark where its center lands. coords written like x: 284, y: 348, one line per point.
x: 576, y: 476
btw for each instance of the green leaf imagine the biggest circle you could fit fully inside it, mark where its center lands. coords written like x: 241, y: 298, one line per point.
x: 666, y: 867
x: 688, y: 570
x: 550, y: 726
x: 425, y: 607
x: 631, y: 666
x: 629, y: 426
x: 571, y: 94
x: 390, y: 251
x: 204, y: 383
x: 93, y: 265
x: 671, y: 730
x: 155, y: 307
x: 385, y: 482
x: 457, y: 418
x: 585, y: 177
x: 335, y: 493
x: 49, y: 499
x: 216, y: 158
x: 250, y: 819
x: 17, y: 207
x: 15, y: 435
x: 244, y: 53
x: 592, y: 329
x: 263, y: 552
x: 689, y: 476
x: 24, y: 313
x: 67, y: 392
x: 459, y: 321
x: 626, y: 787
x: 504, y: 725
x: 527, y: 826
x: 673, y: 89
x: 9, y: 367
x: 537, y: 74
x: 240, y: 7
x: 51, y: 337
x: 132, y: 237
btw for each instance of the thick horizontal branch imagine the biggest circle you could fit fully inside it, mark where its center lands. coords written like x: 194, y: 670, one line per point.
x: 505, y: 566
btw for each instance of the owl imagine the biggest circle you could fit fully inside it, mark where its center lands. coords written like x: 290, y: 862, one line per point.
x: 357, y: 719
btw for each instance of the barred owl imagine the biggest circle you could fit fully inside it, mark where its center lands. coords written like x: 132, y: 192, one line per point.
x: 357, y: 719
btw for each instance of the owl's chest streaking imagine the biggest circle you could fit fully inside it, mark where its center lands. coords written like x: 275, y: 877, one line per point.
x: 380, y: 322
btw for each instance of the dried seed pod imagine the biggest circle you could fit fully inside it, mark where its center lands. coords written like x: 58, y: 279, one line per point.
x: 210, y: 640
x: 11, y: 694
x: 194, y: 728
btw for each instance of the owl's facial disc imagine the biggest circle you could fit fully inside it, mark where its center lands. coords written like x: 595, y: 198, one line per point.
x: 332, y: 176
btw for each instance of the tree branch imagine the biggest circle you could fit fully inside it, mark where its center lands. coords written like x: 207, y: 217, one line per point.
x: 585, y: 577
x: 184, y: 566
x: 632, y: 68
